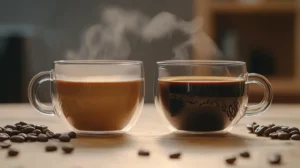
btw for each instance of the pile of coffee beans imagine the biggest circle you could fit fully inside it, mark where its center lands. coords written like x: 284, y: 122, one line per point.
x: 24, y: 132
x: 274, y: 131
x: 273, y: 159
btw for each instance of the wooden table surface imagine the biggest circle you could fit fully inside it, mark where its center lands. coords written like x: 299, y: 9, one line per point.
x: 151, y: 133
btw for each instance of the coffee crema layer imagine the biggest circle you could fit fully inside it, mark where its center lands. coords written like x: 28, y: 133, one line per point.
x: 201, y: 103
x: 98, y: 106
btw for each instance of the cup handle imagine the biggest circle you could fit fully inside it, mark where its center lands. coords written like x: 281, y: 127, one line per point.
x: 32, y: 93
x: 268, y: 94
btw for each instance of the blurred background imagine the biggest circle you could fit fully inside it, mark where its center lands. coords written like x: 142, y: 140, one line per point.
x: 264, y: 33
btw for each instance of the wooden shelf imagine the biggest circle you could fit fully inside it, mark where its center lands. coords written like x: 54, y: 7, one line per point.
x: 263, y: 7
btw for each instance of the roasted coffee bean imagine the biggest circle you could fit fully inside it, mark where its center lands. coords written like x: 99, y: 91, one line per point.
x: 255, y: 127
x: 27, y: 130
x: 245, y: 154
x: 143, y: 152
x: 72, y: 134
x: 268, y: 131
x: 175, y: 155
x: 276, y: 128
x: 274, y: 135
x: 68, y: 149
x: 43, y: 138
x: 45, y: 130
x: 290, y: 129
x: 271, y: 125
x: 56, y: 136
x: 250, y: 127
x: 230, y: 160
x: 4, y: 136
x: 17, y: 138
x: 64, y: 138
x: 32, y: 138
x: 1, y: 129
x: 12, y: 152
x: 295, y: 137
x: 36, y: 131
x: 41, y: 127
x: 5, y: 145
x: 283, y: 136
x: 11, y: 127
x: 50, y: 134
x: 23, y: 135
x: 274, y: 158
x: 15, y: 132
x: 284, y: 129
x: 21, y: 123
x: 294, y: 132
x: 260, y: 130
x: 32, y: 125
x: 253, y: 123
x: 50, y: 148
x: 34, y: 134
x: 8, y: 131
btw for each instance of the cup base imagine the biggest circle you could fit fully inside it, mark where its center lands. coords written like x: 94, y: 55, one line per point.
x: 100, y: 133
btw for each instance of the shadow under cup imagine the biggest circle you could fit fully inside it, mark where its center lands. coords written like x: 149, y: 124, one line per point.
x: 93, y: 97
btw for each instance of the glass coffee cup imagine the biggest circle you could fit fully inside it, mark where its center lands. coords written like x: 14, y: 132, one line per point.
x: 93, y: 97
x: 206, y: 97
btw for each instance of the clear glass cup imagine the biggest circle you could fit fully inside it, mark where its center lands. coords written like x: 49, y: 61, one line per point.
x: 206, y: 97
x: 93, y: 97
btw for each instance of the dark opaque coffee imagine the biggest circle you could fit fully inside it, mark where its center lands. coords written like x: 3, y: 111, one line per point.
x: 201, y: 103
x: 98, y: 106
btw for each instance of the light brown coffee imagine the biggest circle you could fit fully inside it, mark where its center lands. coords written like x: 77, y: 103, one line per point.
x: 98, y: 106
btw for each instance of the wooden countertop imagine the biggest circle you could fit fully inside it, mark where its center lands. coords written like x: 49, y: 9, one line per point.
x: 150, y: 133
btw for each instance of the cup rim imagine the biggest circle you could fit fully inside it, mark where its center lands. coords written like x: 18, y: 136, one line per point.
x: 99, y: 62
x: 201, y: 62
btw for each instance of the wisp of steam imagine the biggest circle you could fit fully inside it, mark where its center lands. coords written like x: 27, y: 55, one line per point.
x: 107, y: 40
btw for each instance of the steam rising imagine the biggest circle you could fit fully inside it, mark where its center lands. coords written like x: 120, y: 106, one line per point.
x: 107, y: 40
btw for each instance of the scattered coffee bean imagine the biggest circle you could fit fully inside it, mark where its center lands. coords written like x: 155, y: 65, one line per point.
x: 64, y: 138
x: 290, y: 129
x: 27, y: 130
x: 294, y: 132
x: 33, y: 134
x: 45, y: 130
x: 10, y: 126
x: 255, y: 127
x: 23, y: 135
x: 50, y: 148
x: 271, y: 125
x: 253, y: 123
x: 72, y: 134
x: 36, y: 131
x: 68, y: 149
x: 275, y: 128
x: 274, y: 135
x: 268, y: 131
x: 284, y: 129
x: 176, y: 155
x: 245, y: 154
x: 56, y: 136
x: 250, y: 127
x: 260, y: 130
x: 295, y: 137
x: 21, y: 123
x: 50, y: 134
x: 143, y: 152
x: 43, y: 138
x: 1, y: 129
x: 19, y: 127
x: 274, y: 158
x: 230, y: 160
x: 41, y: 127
x: 5, y: 145
x: 32, y: 138
x: 4, y: 136
x: 8, y: 131
x: 15, y: 132
x: 283, y: 136
x: 17, y: 138
x: 12, y: 152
